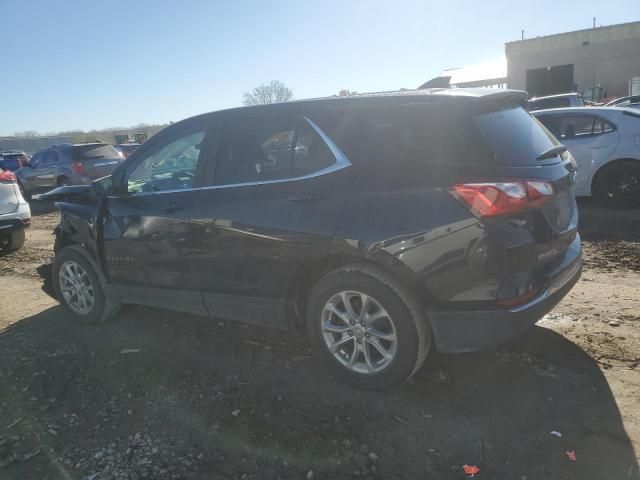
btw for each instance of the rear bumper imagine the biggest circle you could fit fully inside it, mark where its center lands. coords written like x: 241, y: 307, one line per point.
x: 471, y: 330
x: 10, y: 222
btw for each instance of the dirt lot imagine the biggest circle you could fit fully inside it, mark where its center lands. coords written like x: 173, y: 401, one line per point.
x: 160, y: 395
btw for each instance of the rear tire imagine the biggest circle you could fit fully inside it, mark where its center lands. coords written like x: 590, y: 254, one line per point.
x: 12, y: 242
x: 378, y: 349
x: 81, y: 288
x: 618, y: 185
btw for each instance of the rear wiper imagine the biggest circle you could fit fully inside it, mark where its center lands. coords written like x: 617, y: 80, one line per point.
x: 552, y: 152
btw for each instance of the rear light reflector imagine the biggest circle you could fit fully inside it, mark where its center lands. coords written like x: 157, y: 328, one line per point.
x: 78, y: 167
x: 500, y: 198
x: 26, y: 221
x: 519, y: 300
x: 7, y: 176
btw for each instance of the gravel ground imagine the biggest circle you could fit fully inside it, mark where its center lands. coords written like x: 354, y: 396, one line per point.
x: 159, y: 395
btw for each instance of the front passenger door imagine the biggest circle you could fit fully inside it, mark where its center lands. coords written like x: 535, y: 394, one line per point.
x: 147, y: 235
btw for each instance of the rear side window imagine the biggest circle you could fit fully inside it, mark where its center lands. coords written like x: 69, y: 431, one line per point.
x: 574, y: 127
x: 91, y: 151
x: 515, y: 136
x: 267, y: 148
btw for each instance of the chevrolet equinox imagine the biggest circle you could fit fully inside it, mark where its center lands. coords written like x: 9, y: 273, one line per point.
x: 388, y: 225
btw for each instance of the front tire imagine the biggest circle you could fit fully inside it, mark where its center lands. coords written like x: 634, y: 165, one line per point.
x: 618, y: 185
x: 368, y: 327
x: 81, y: 288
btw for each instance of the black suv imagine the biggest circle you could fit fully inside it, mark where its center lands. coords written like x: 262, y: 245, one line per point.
x: 388, y: 225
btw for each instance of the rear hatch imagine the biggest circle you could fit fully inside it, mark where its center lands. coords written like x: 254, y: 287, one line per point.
x: 525, y: 149
x: 525, y: 200
x: 95, y: 160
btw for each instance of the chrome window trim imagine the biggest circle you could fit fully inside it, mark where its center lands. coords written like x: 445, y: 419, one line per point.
x: 341, y: 161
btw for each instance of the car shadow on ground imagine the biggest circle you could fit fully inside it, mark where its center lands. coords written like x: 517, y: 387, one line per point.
x: 255, y: 402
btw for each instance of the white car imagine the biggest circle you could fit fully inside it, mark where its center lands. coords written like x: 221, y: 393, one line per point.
x: 605, y: 142
x: 15, y: 214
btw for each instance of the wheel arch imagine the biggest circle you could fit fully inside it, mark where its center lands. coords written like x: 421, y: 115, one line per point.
x: 308, y: 274
x: 607, y: 165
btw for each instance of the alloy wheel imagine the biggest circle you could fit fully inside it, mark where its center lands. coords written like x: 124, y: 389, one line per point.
x: 359, y: 332
x: 76, y: 287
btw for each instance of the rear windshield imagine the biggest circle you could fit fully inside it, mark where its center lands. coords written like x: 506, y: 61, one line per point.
x: 515, y: 136
x: 11, y: 163
x: 87, y: 152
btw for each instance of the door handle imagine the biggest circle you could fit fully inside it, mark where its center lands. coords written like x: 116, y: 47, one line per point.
x: 172, y: 207
x: 596, y: 147
x: 305, y: 197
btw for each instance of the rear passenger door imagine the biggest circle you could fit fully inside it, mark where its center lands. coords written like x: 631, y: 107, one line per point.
x: 41, y: 176
x: 275, y: 197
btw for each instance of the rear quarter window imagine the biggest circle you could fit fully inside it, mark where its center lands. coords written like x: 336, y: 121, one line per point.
x: 413, y: 145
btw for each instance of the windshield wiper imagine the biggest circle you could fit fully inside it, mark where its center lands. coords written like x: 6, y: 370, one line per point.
x: 552, y: 152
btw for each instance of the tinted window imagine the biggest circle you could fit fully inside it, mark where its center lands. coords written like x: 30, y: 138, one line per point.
x: 311, y: 153
x: 269, y: 148
x: 86, y: 152
x: 515, y: 136
x: 169, y: 166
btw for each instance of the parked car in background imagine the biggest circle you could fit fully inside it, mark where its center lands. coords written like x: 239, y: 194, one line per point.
x: 15, y: 214
x: 629, y: 102
x: 605, y: 142
x: 13, y: 160
x: 364, y: 218
x: 126, y: 149
x: 556, y: 101
x: 67, y: 164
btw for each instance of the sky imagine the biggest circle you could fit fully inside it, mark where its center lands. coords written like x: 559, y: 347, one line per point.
x: 81, y: 64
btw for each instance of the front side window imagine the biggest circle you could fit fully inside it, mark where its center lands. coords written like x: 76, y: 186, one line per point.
x: 275, y: 147
x: 169, y: 166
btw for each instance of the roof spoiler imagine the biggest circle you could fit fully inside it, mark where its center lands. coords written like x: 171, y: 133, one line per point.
x: 502, y: 99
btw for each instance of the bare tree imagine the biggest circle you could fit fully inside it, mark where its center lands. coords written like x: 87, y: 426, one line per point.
x: 346, y: 93
x: 272, y: 92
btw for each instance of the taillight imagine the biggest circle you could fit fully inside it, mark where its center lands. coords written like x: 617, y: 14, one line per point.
x: 78, y: 167
x: 501, y: 198
x: 7, y: 176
